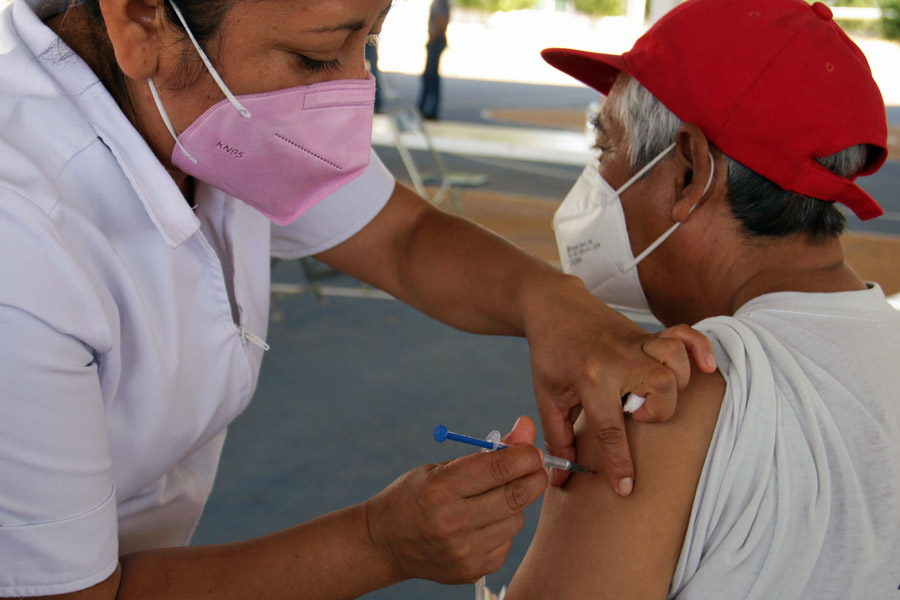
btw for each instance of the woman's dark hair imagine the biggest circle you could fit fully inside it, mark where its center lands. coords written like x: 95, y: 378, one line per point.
x: 204, y: 17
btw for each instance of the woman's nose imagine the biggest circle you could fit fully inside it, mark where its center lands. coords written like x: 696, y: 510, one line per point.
x: 356, y: 66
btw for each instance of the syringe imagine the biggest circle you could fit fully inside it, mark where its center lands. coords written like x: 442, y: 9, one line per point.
x: 493, y: 443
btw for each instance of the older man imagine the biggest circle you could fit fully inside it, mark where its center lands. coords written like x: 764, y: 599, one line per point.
x: 728, y: 134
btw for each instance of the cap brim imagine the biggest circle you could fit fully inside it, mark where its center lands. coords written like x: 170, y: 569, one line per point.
x: 597, y: 70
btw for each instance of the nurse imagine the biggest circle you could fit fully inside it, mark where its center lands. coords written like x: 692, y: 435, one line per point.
x: 146, y: 149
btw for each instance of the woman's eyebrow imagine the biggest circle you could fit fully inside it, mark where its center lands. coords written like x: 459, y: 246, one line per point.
x: 350, y: 25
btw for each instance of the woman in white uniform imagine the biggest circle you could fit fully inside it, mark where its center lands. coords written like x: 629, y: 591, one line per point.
x: 138, y: 180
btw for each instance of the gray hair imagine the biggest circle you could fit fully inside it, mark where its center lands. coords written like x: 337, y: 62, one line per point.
x: 763, y: 208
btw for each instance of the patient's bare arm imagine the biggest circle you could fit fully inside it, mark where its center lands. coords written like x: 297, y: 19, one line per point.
x: 591, y: 542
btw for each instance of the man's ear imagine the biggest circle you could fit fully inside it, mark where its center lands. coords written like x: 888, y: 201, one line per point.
x: 133, y: 27
x: 692, y: 155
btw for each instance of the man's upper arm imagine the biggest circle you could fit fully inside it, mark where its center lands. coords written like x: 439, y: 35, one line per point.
x: 590, y: 542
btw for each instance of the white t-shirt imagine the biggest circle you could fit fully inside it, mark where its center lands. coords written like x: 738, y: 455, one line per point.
x: 800, y: 493
x: 121, y: 311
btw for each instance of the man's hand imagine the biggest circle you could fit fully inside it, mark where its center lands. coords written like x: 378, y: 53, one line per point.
x: 454, y: 522
x: 585, y: 356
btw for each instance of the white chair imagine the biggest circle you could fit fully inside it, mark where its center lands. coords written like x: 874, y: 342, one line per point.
x: 409, y: 130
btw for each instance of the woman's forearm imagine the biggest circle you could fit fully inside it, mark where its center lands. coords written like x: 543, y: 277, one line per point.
x: 329, y: 557
x: 448, y: 267
x: 451, y: 522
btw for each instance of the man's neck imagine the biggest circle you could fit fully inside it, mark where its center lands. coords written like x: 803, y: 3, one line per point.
x: 795, y: 264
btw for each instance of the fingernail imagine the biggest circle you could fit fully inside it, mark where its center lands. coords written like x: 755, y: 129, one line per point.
x: 625, y: 486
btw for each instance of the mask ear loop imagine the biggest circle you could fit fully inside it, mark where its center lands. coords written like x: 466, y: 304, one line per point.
x: 643, y: 170
x: 670, y: 230
x: 212, y: 70
x: 167, y: 121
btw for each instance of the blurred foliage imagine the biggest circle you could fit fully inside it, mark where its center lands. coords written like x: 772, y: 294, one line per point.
x: 591, y: 7
x: 862, y: 27
x: 889, y: 24
x: 863, y: 3
x: 496, y: 5
x: 890, y: 19
x: 600, y: 7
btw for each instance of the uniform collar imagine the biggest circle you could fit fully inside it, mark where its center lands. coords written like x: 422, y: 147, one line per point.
x: 47, y: 8
x: 156, y: 189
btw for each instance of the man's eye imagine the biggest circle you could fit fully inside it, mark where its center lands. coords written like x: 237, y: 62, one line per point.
x: 600, y: 149
x: 319, y: 66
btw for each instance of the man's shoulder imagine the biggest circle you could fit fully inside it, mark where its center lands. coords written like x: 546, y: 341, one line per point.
x: 627, y: 547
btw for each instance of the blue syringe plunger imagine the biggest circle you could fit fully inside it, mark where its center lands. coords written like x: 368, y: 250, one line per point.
x: 441, y: 433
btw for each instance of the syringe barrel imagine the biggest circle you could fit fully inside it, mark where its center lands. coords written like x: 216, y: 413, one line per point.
x: 554, y: 462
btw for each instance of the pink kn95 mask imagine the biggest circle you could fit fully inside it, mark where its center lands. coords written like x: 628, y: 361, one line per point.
x: 283, y: 151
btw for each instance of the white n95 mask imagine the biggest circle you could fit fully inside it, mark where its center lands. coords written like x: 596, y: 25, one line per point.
x: 593, y: 240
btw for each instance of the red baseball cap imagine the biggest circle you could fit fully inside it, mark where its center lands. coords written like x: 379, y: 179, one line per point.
x: 772, y: 83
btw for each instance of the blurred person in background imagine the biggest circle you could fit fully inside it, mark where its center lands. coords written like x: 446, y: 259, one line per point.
x: 430, y: 87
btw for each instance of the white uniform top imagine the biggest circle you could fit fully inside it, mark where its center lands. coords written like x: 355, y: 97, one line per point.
x: 800, y: 493
x: 121, y: 310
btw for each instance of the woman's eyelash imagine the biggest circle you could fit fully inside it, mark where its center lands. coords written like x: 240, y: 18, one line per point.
x: 319, y: 66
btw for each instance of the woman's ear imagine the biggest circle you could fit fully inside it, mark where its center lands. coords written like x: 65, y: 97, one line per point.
x: 693, y: 156
x: 133, y: 27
